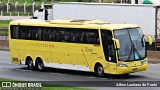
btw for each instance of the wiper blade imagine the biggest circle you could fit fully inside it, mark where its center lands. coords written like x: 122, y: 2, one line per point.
x: 134, y: 50
x: 130, y: 52
x: 137, y: 52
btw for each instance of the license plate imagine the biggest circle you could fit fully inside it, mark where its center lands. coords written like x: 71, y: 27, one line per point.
x: 134, y: 69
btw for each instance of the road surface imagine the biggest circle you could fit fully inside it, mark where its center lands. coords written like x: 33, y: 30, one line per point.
x: 73, y: 78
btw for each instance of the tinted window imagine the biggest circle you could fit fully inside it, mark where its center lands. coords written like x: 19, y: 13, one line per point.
x: 14, y: 32
x: 25, y: 33
x: 108, y: 46
x: 49, y: 34
x: 77, y: 36
x: 91, y: 37
x: 63, y: 35
x: 36, y: 33
x: 73, y: 35
x: 85, y: 36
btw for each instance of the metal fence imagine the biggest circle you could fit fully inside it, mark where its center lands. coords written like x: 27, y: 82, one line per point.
x: 19, y: 8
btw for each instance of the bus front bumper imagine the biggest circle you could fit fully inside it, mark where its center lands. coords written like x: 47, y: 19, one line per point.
x: 125, y: 70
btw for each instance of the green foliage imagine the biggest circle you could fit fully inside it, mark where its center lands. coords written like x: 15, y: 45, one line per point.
x: 28, y: 1
x: 16, y: 14
x: 4, y: 23
x: 3, y: 33
x: 70, y: 0
x: 63, y: 88
x: 51, y: 87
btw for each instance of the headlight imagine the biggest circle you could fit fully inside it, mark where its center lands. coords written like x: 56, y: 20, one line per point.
x: 122, y: 65
x: 144, y: 62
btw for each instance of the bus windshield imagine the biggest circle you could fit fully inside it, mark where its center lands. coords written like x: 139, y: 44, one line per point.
x: 132, y: 44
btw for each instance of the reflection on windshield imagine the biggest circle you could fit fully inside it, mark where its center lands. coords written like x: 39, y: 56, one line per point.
x: 131, y: 41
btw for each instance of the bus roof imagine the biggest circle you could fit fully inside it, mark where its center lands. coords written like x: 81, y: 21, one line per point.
x: 73, y: 23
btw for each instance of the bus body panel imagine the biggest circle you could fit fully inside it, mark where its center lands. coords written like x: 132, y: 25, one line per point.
x: 65, y: 55
x: 80, y: 57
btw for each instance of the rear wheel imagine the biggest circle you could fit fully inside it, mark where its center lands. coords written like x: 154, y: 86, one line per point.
x: 99, y: 71
x: 40, y: 65
x: 30, y: 64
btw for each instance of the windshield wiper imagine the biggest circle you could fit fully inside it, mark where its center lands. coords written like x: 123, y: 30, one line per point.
x: 134, y: 49
x: 130, y: 52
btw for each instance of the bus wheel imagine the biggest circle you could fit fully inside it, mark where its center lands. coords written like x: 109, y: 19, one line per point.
x: 40, y: 65
x: 30, y: 65
x: 99, y: 70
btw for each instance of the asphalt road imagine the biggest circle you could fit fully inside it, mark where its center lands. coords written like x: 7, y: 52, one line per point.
x: 76, y: 78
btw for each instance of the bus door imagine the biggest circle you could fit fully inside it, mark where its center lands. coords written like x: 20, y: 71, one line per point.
x: 109, y: 50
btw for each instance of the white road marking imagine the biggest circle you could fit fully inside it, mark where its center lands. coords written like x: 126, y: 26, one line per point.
x: 62, y: 74
x: 52, y: 73
x: 102, y: 78
x: 1, y: 67
x: 23, y: 70
x: 92, y: 77
x: 57, y: 73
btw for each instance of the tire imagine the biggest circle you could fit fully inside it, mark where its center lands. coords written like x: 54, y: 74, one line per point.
x: 40, y: 65
x: 99, y: 71
x: 30, y: 65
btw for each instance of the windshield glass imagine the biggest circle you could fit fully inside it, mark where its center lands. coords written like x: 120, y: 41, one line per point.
x: 132, y: 44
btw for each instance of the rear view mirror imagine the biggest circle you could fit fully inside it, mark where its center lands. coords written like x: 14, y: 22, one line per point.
x: 149, y: 39
x: 117, y: 43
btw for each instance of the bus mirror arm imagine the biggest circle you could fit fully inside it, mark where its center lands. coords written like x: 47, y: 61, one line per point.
x: 149, y: 39
x: 117, y: 43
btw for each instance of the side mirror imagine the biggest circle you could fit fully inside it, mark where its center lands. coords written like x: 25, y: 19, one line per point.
x: 117, y: 43
x: 149, y: 39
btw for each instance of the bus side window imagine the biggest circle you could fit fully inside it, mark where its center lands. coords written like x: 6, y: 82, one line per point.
x: 49, y: 34
x: 52, y: 35
x: 36, y: 33
x: 25, y: 32
x: 76, y: 36
x: 67, y: 36
x: 108, y: 46
x: 14, y: 32
x: 63, y: 35
x: 60, y: 36
x: 46, y: 34
x: 91, y: 37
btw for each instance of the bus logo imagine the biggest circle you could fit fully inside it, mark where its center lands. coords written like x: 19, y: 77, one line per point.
x: 6, y: 84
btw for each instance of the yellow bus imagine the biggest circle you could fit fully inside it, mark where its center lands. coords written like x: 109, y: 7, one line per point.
x: 85, y: 45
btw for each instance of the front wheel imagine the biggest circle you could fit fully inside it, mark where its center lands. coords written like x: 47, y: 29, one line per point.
x: 99, y: 71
